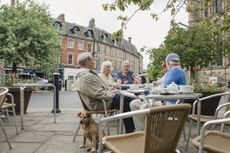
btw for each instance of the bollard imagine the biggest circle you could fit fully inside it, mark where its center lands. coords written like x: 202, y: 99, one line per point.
x: 56, y: 84
x: 65, y: 85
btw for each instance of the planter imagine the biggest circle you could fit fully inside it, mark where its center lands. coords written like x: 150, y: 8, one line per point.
x: 208, y: 107
x: 15, y: 91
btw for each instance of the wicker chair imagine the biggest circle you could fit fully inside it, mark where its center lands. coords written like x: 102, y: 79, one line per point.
x: 105, y: 113
x: 213, y: 141
x: 194, y: 118
x: 163, y: 127
x: 3, y: 92
x: 6, y: 106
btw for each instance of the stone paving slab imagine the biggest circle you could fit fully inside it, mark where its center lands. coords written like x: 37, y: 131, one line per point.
x: 41, y: 135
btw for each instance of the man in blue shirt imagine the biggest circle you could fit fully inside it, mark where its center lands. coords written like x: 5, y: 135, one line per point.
x: 174, y: 74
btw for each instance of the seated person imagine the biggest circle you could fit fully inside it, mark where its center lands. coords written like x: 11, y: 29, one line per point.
x: 174, y: 74
x: 106, y: 68
x: 159, y: 81
x: 93, y: 89
x: 126, y: 76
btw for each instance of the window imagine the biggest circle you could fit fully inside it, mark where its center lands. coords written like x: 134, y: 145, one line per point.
x: 74, y: 30
x: 70, y: 59
x: 111, y: 51
x: 106, y: 50
x: 98, y: 62
x: 58, y: 24
x: 80, y: 44
x: 90, y: 47
x: 70, y: 43
x: 206, y: 12
x: 218, y: 6
x: 98, y: 48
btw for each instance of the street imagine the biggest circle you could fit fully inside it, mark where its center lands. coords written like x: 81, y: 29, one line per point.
x: 44, y: 99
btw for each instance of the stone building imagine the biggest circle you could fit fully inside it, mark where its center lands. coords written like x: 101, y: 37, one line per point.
x: 213, y: 9
x: 77, y: 39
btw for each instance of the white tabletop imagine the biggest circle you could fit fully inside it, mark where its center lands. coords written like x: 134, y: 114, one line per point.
x: 32, y: 85
x: 163, y: 97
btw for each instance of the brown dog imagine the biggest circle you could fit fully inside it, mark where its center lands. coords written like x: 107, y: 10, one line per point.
x: 90, y: 130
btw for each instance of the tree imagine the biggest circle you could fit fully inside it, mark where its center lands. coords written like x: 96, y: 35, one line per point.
x: 28, y: 37
x: 197, y: 46
x: 173, y: 6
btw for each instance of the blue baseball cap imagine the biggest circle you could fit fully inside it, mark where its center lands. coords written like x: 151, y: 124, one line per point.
x: 172, y: 57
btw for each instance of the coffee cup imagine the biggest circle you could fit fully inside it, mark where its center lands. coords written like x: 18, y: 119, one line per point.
x: 186, y: 88
x: 133, y: 86
x: 160, y: 89
x: 172, y: 87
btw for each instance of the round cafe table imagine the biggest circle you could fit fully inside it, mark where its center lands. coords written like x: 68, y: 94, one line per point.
x: 139, y: 94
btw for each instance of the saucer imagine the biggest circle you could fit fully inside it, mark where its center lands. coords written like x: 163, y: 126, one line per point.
x: 135, y: 91
x: 186, y: 92
x: 173, y: 92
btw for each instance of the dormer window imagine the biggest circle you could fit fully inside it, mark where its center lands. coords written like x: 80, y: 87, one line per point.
x: 74, y: 30
x: 58, y: 24
x: 89, y: 33
x: 114, y: 41
x: 104, y: 36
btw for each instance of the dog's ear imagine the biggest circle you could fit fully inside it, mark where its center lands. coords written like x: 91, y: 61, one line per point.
x: 79, y: 114
x: 88, y: 115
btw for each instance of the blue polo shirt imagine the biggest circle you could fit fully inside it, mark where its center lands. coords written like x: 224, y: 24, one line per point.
x: 123, y: 78
x: 176, y: 75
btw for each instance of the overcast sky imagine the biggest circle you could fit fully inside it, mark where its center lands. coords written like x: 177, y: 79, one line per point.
x: 142, y: 28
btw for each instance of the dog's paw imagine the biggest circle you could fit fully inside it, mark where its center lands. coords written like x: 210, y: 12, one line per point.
x: 82, y: 146
x: 93, y: 150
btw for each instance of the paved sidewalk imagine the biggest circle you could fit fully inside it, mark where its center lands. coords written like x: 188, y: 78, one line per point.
x: 41, y: 135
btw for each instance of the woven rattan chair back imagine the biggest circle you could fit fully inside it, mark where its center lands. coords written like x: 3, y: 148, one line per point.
x: 3, y: 92
x: 163, y: 128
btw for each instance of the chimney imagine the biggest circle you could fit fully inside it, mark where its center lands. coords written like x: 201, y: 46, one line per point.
x: 12, y: 3
x: 92, y: 24
x: 130, y: 39
x: 61, y: 17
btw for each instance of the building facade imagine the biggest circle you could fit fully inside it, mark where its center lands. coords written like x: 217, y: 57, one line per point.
x: 215, y: 9
x: 77, y: 39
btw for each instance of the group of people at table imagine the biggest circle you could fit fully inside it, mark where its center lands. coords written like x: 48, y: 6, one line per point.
x: 93, y: 87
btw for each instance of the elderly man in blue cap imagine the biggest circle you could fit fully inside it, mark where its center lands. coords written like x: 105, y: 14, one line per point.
x: 174, y: 74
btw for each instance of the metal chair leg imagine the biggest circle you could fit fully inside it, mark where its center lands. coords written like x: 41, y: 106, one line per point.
x: 189, y: 134
x: 7, y: 114
x: 15, y: 120
x: 184, y: 134
x: 76, y: 133
x: 7, y: 140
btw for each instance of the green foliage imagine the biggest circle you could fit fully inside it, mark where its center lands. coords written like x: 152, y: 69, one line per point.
x: 118, y: 34
x: 203, y: 88
x: 157, y: 57
x: 199, y: 45
x: 28, y: 37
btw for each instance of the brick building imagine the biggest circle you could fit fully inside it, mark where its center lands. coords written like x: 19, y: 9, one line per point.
x: 76, y: 39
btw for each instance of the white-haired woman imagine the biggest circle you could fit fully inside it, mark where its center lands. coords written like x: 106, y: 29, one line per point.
x: 106, y: 68
x: 126, y: 76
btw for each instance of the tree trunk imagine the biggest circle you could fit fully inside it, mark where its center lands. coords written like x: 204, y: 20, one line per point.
x: 14, y: 68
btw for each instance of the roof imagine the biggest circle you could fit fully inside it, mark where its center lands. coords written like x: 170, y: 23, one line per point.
x: 102, y: 36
